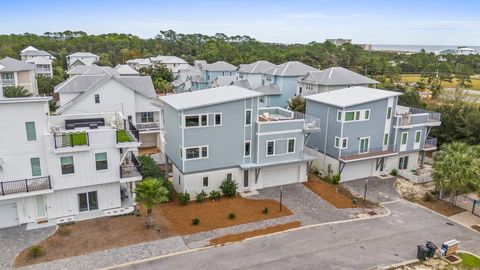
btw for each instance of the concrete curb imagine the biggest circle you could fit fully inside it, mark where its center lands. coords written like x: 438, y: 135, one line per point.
x: 389, y: 212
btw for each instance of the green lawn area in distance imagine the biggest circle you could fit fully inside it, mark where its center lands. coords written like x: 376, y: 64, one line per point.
x: 416, y: 77
x: 469, y: 261
x: 122, y: 136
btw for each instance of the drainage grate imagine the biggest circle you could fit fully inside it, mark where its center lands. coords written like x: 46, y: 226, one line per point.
x: 372, y: 213
x: 452, y: 258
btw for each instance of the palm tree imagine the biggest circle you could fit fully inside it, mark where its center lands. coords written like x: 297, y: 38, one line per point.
x: 15, y: 91
x: 149, y: 192
x: 457, y: 168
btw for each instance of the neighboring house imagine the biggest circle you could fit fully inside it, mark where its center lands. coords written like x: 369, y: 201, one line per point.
x: 223, y: 81
x: 41, y: 59
x: 185, y: 78
x: 221, y: 133
x: 254, y: 72
x: 330, y: 79
x: 139, y: 63
x: 173, y: 63
x: 92, y: 70
x: 131, y: 95
x: 56, y: 169
x: 125, y: 70
x: 460, y: 51
x: 18, y: 73
x: 210, y: 72
x: 279, y: 83
x: 365, y: 133
x: 81, y: 58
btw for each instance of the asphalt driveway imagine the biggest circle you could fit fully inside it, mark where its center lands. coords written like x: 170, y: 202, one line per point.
x: 359, y: 244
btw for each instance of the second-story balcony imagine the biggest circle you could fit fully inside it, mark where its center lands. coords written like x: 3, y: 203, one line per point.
x: 25, y: 185
x: 148, y: 126
x: 8, y: 82
x: 279, y: 115
x: 352, y: 155
x: 71, y: 139
x: 130, y: 167
x: 430, y: 144
x: 407, y: 117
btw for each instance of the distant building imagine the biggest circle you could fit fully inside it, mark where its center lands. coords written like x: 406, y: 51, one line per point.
x: 460, y: 51
x: 14, y: 72
x: 81, y: 58
x: 339, y: 41
x: 41, y: 59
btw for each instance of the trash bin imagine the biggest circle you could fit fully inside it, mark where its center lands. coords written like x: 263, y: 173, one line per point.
x: 432, y: 248
x: 422, y: 252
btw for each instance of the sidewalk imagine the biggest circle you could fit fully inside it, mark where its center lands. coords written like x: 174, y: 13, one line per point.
x: 466, y: 218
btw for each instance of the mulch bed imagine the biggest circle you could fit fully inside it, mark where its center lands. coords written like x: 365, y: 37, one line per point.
x: 241, y: 236
x: 336, y: 195
x: 441, y: 207
x: 214, y: 214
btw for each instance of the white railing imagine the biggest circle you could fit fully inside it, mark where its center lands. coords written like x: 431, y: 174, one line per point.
x: 311, y: 122
x: 8, y: 81
x: 418, y: 179
x: 149, y: 125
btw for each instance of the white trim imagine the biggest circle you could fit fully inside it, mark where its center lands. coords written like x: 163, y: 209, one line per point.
x: 416, y: 145
x: 208, y: 182
x: 361, y: 115
x: 341, y: 116
x: 215, y: 119
x: 249, y: 148
x: 340, y: 141
x: 388, y: 138
x: 200, y: 115
x: 403, y: 147
x: 360, y: 142
x: 294, y: 145
x: 199, y: 147
x: 245, y: 117
x: 279, y: 132
x: 266, y: 148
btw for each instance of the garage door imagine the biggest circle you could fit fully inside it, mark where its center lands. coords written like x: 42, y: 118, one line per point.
x: 357, y: 170
x: 8, y: 212
x: 280, y: 176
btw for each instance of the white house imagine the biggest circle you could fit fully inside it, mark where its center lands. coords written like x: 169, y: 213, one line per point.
x: 131, y: 95
x: 59, y: 168
x: 254, y: 72
x: 17, y: 73
x: 126, y: 70
x: 41, y: 59
x: 139, y: 63
x: 81, y: 58
x: 173, y: 63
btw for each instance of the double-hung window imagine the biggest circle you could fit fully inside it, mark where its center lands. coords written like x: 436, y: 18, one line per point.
x: 146, y: 117
x: 248, y: 117
x: 36, y: 168
x: 101, y: 162
x: 385, y: 139
x: 31, y: 132
x: 87, y: 201
x: 291, y: 146
x: 389, y: 112
x: 270, y: 148
x: 67, y: 165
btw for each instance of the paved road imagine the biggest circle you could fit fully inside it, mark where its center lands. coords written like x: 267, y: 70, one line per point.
x: 354, y: 245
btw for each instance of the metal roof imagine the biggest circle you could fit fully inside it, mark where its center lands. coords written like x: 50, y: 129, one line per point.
x: 83, y: 54
x: 39, y: 60
x: 12, y: 65
x: 207, y: 97
x: 92, y: 70
x: 219, y: 66
x: 269, y: 90
x: 291, y: 68
x: 336, y: 76
x: 256, y: 67
x: 126, y: 70
x: 352, y: 96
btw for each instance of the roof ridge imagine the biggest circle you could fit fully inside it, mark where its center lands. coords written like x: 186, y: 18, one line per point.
x: 286, y: 67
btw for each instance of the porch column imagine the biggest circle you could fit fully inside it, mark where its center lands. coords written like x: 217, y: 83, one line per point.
x: 167, y: 173
x: 422, y: 159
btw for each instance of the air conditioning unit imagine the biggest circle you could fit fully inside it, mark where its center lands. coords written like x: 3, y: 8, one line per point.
x: 321, y: 174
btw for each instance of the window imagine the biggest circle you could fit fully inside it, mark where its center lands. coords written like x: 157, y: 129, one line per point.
x: 87, y: 201
x: 248, y: 117
x: 364, y: 145
x: 67, y: 165
x: 229, y: 176
x: 403, y: 163
x: 404, y: 138
x: 341, y: 142
x: 270, y: 148
x: 179, y: 180
x: 147, y: 117
x: 418, y: 134
x: 31, y: 133
x: 357, y: 115
x: 246, y: 179
x: 97, y: 98
x: 35, y: 165
x: 196, y: 120
x: 218, y: 119
x: 101, y: 161
x: 8, y: 76
x: 385, y: 139
x: 247, y: 149
x: 339, y: 115
x: 197, y: 152
x: 389, y: 112
x: 367, y: 115
x: 181, y: 152
x: 349, y: 116
x: 291, y: 146
x: 205, y: 181
x: 262, y: 99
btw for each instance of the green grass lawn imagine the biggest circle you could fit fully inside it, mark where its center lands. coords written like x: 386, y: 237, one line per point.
x: 407, y: 78
x: 122, y: 136
x: 469, y: 261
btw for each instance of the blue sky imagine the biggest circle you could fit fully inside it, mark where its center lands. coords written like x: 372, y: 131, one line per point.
x: 424, y: 22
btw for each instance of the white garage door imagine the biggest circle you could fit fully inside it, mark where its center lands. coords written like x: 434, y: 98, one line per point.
x: 8, y: 213
x: 357, y: 170
x: 280, y: 176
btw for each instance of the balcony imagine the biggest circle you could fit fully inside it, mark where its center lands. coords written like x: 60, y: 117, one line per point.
x: 8, y: 82
x: 407, y: 116
x: 71, y: 139
x: 349, y: 155
x: 148, y: 125
x: 131, y: 167
x: 25, y: 185
x: 279, y: 115
x: 312, y: 124
x: 430, y: 144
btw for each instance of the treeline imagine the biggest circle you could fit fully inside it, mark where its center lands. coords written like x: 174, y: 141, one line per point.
x: 117, y: 48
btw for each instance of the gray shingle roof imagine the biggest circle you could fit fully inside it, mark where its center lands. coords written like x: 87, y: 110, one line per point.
x: 256, y: 67
x: 292, y: 68
x: 12, y: 65
x: 336, y: 76
x: 352, y: 96
x: 207, y: 97
x: 269, y: 90
x: 220, y: 66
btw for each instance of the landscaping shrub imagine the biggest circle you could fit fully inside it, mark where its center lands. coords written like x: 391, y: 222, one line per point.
x: 231, y: 216
x: 429, y: 197
x: 195, y: 221
x: 335, y: 179
x: 36, y: 251
x: 315, y: 171
x: 201, y: 196
x: 229, y: 187
x: 215, y: 195
x: 149, y: 167
x: 64, y: 230
x: 169, y: 187
x: 394, y: 172
x: 265, y: 211
x: 184, y: 198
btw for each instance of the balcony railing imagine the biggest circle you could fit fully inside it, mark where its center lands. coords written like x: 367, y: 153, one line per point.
x: 131, y: 168
x: 346, y: 154
x: 432, y: 116
x: 149, y: 125
x: 8, y: 81
x: 430, y: 142
x: 311, y: 123
x: 25, y: 185
x: 71, y: 139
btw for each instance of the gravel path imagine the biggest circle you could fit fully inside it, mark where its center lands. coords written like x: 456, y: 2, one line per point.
x: 16, y: 239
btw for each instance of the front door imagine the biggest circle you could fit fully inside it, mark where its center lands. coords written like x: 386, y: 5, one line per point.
x: 246, y: 179
x: 41, y: 206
